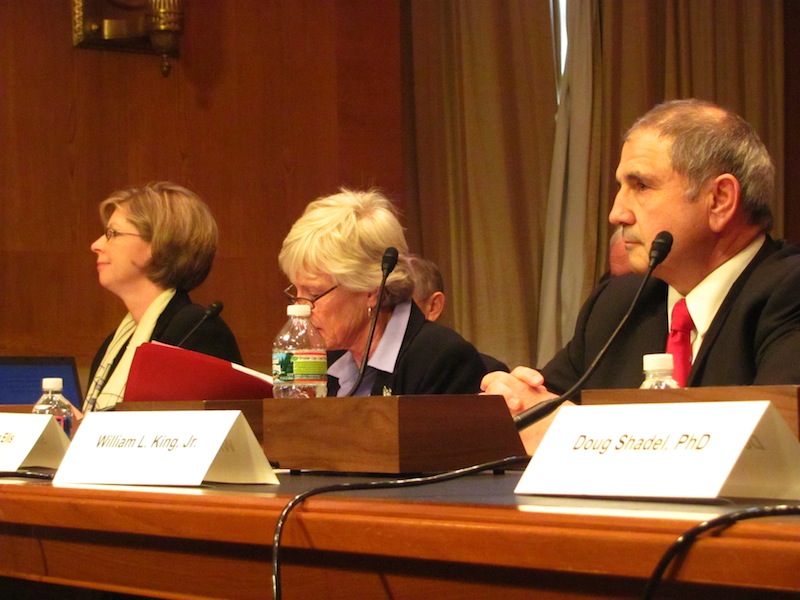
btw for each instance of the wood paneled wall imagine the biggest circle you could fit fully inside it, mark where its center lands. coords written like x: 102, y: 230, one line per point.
x: 791, y: 176
x: 271, y: 104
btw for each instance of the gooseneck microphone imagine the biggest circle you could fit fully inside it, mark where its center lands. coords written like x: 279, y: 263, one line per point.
x: 212, y: 311
x: 659, y: 250
x: 388, y: 263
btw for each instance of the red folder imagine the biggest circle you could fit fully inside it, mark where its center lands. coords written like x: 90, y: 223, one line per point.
x: 163, y: 372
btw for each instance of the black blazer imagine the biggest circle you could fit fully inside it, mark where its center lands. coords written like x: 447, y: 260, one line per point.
x: 213, y: 337
x: 433, y: 359
x: 754, y: 338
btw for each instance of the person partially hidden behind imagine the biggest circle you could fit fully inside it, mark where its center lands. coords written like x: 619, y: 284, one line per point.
x: 158, y: 245
x: 700, y: 172
x: 429, y: 296
x: 332, y: 257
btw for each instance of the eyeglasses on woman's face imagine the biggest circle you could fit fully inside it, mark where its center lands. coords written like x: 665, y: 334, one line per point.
x: 113, y: 233
x: 291, y: 294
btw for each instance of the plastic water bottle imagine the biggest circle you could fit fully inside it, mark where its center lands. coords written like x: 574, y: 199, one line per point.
x: 299, y: 360
x: 53, y: 402
x: 658, y: 372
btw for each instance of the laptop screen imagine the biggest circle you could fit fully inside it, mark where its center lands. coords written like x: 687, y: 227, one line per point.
x: 21, y: 378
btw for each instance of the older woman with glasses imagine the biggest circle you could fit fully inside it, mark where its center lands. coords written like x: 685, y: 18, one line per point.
x: 333, y: 256
x: 158, y: 245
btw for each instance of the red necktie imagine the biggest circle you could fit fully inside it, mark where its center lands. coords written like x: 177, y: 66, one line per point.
x: 679, y: 342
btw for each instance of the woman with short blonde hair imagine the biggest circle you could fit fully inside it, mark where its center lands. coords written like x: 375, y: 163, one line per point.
x: 333, y: 258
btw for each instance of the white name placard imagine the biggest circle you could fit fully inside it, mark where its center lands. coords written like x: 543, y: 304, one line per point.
x: 670, y: 450
x: 165, y: 448
x: 28, y: 440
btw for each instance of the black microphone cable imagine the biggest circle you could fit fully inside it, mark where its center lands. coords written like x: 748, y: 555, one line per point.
x: 688, y: 537
x: 388, y: 263
x: 212, y: 311
x: 30, y: 474
x: 659, y: 250
x: 372, y: 485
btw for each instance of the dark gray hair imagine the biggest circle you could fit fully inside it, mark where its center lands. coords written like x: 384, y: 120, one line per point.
x: 427, y: 276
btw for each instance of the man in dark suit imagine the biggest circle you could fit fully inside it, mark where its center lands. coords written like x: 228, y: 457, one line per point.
x: 700, y: 172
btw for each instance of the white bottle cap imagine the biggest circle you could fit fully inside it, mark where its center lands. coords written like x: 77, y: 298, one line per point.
x: 657, y: 362
x: 52, y: 384
x: 298, y: 310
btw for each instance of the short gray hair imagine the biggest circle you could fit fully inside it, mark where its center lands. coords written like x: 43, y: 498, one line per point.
x: 707, y: 141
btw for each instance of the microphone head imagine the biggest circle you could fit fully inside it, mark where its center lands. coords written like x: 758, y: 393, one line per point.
x: 389, y: 261
x: 214, y: 309
x: 660, y: 248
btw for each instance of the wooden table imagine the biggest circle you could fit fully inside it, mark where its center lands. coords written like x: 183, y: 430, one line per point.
x: 465, y: 539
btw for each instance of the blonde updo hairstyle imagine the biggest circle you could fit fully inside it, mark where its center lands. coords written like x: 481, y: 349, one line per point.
x: 179, y: 227
x: 345, y: 236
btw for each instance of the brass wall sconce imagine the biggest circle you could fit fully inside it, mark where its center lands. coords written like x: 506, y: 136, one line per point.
x: 146, y: 26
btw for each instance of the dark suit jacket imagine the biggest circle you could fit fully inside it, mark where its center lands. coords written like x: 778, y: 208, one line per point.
x: 213, y: 337
x: 493, y: 364
x: 754, y: 338
x: 433, y: 360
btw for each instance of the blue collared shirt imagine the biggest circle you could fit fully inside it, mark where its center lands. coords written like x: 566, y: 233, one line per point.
x: 384, y: 358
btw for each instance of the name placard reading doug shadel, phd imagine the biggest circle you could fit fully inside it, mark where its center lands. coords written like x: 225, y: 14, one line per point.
x: 669, y: 450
